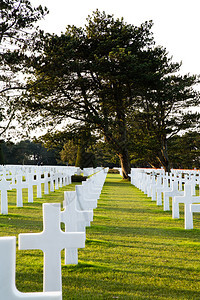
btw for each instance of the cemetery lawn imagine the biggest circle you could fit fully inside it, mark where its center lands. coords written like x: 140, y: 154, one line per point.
x: 134, y: 250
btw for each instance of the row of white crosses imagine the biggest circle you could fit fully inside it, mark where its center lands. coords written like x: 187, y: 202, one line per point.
x: 52, y: 240
x: 25, y: 177
x: 180, y: 185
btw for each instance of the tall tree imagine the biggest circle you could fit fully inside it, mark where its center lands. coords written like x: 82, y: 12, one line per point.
x: 17, y: 33
x: 162, y: 113
x: 74, y: 145
x: 97, y: 75
x: 184, y: 150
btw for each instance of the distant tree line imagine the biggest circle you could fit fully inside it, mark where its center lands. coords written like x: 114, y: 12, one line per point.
x: 184, y: 152
x: 26, y: 152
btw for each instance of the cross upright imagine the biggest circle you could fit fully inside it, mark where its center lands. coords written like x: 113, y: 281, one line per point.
x: 38, y: 182
x: 46, y: 183
x: 153, y: 187
x: 31, y: 183
x: 82, y: 202
x: 8, y: 290
x: 19, y: 186
x: 51, y: 241
x: 187, y: 199
x: 161, y: 189
x: 74, y: 220
x: 56, y: 179
x: 51, y: 182
x: 88, y: 191
x: 174, y: 191
x: 4, y: 187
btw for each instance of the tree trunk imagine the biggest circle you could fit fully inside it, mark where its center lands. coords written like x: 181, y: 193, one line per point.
x: 125, y: 164
x: 2, y: 160
x: 164, y: 159
x: 79, y: 157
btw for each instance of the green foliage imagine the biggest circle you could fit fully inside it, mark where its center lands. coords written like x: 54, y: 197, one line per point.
x: 27, y: 152
x: 184, y: 151
x: 17, y: 17
x: 2, y: 159
x: 74, y: 145
x: 111, y: 77
x: 113, y: 171
x: 17, y: 38
x: 68, y: 153
x: 93, y: 75
x: 162, y: 113
x: 78, y: 178
x: 84, y: 159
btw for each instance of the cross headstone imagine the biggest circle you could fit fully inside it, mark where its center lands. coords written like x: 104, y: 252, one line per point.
x: 38, y: 183
x: 51, y: 182
x: 46, y: 181
x: 8, y: 290
x: 19, y: 186
x: 89, y: 192
x: 82, y: 202
x: 187, y: 199
x: 174, y: 191
x: 161, y: 187
x: 93, y: 186
x: 31, y: 183
x: 51, y: 241
x: 151, y: 189
x: 4, y: 187
x: 193, y: 208
x: 158, y: 186
x: 74, y: 221
x: 56, y: 179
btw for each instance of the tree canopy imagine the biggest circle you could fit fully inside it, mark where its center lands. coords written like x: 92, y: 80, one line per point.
x: 111, y: 76
x: 161, y: 114
x: 26, y: 152
x: 17, y: 34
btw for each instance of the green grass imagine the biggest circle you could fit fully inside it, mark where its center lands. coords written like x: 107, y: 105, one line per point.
x: 134, y: 250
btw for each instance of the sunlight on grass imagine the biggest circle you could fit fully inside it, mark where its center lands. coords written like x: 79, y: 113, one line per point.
x: 134, y: 250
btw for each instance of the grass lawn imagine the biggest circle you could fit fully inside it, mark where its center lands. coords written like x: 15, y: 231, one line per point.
x: 134, y: 250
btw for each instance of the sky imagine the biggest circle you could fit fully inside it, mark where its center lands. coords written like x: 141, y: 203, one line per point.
x: 176, y: 22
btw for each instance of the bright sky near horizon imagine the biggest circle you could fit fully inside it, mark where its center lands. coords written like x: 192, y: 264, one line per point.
x: 176, y: 22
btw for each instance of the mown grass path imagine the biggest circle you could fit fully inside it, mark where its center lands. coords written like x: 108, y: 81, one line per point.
x: 134, y: 250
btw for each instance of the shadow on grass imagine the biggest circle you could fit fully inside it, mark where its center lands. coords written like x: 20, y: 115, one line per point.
x: 22, y: 225
x: 149, y: 232
x: 108, y: 281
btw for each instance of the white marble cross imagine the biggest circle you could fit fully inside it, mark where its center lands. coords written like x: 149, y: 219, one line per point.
x: 4, y: 187
x: 46, y: 181
x: 187, y: 199
x: 74, y: 221
x: 51, y: 181
x: 8, y: 290
x: 89, y: 191
x: 194, y: 208
x: 51, y: 241
x: 56, y: 179
x: 158, y: 187
x: 38, y: 182
x: 94, y: 185
x: 174, y: 191
x: 19, y: 186
x: 31, y: 183
x: 151, y: 189
x: 82, y: 202
x: 163, y: 187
